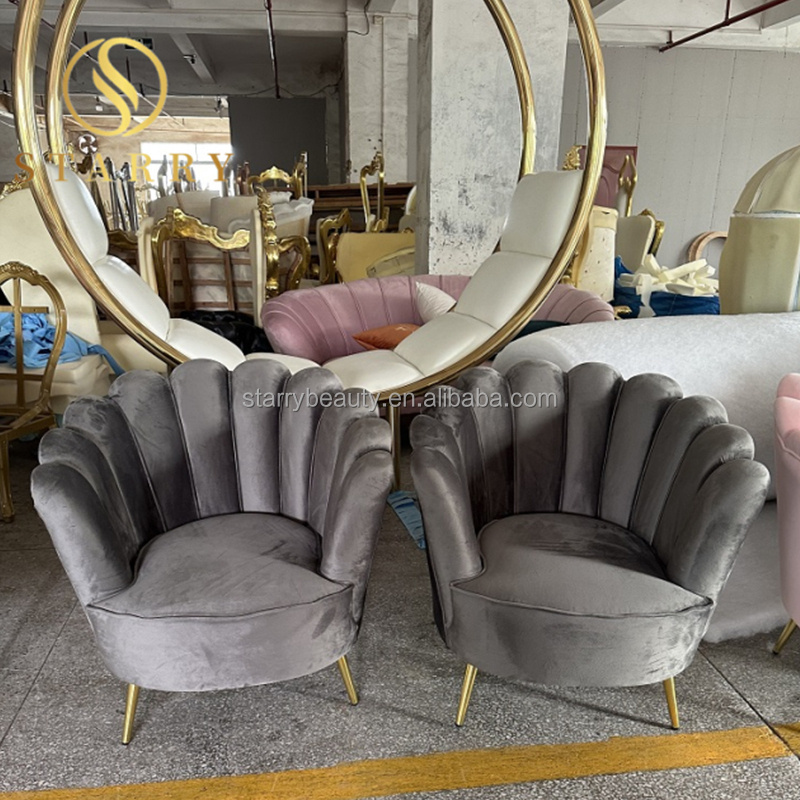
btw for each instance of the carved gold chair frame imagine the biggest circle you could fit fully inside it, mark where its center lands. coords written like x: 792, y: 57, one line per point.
x: 329, y: 232
x: 275, y: 247
x: 24, y: 417
x: 178, y: 226
x: 296, y: 182
x: 378, y: 222
x: 26, y: 41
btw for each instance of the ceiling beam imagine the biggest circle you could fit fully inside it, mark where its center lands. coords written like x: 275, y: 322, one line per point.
x: 781, y: 16
x: 196, y: 56
x: 600, y: 7
x: 186, y: 20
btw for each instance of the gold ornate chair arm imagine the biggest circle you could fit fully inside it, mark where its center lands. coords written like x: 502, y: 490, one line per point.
x: 329, y: 232
x: 300, y: 270
x: 275, y: 247
x: 380, y: 222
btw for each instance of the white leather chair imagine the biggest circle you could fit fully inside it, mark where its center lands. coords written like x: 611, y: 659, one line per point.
x: 541, y: 210
x: 24, y: 237
x: 131, y: 291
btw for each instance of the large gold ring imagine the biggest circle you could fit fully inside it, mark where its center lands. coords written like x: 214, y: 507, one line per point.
x: 26, y: 37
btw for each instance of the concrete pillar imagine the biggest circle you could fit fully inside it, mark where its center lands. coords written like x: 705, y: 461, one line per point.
x: 469, y: 122
x: 376, y: 67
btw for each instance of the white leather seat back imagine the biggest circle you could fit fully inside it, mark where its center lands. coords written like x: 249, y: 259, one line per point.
x: 443, y: 341
x: 501, y: 286
x: 134, y: 294
x: 541, y: 210
x: 24, y: 238
x: 81, y: 213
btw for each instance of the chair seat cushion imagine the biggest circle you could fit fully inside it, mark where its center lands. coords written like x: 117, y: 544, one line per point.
x: 224, y: 602
x: 576, y: 565
x: 573, y: 601
x: 254, y: 562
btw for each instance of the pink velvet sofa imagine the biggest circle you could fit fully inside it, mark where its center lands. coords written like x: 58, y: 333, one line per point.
x: 319, y: 323
x: 787, y: 485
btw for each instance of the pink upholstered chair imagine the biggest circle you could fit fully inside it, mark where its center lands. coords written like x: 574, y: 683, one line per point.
x: 787, y: 485
x: 319, y: 323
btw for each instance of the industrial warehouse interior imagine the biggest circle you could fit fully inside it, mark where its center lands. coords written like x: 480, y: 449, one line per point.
x: 408, y: 402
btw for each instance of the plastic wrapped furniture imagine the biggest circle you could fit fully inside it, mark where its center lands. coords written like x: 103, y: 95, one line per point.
x: 214, y: 540
x: 759, y: 269
x: 582, y: 538
x: 787, y: 480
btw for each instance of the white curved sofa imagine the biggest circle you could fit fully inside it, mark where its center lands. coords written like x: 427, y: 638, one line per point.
x: 737, y: 359
x: 541, y: 210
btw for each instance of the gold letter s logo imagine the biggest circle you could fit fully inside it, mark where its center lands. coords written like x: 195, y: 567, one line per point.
x: 116, y: 87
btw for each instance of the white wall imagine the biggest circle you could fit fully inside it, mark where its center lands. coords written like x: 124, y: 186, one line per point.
x: 704, y: 122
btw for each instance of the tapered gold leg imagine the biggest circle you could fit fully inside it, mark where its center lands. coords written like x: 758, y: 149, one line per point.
x: 6, y: 504
x: 393, y: 415
x: 672, y: 702
x: 347, y: 677
x: 784, y: 637
x: 131, y: 699
x: 466, y: 694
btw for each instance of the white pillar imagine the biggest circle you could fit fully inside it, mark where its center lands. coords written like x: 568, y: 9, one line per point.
x: 376, y: 66
x: 469, y: 122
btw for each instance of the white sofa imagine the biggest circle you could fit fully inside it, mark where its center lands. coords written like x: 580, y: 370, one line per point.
x: 737, y: 359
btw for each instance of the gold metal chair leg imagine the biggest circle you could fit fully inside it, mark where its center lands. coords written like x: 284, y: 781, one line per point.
x: 466, y: 694
x: 131, y: 699
x: 784, y: 637
x: 347, y: 677
x: 393, y: 415
x: 672, y: 702
x: 6, y: 504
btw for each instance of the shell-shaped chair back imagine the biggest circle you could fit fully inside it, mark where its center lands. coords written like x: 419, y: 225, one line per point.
x: 207, y: 441
x: 634, y: 453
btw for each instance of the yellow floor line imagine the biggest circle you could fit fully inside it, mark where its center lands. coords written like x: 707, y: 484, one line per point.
x: 468, y: 769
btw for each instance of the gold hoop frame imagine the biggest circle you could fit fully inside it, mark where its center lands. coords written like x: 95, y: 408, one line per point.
x: 26, y: 36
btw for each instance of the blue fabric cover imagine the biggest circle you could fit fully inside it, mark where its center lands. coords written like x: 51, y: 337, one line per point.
x: 664, y: 304
x: 38, y: 336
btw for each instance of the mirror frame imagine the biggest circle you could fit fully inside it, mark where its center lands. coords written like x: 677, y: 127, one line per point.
x: 26, y: 39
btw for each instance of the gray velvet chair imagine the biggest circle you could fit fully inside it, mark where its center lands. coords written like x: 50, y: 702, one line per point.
x: 583, y: 541
x: 214, y: 540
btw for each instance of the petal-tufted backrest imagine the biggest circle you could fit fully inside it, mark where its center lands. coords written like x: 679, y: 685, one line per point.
x: 634, y: 453
x: 218, y: 442
x: 319, y: 323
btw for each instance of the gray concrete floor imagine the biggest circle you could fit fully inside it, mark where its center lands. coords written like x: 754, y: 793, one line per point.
x: 61, y: 711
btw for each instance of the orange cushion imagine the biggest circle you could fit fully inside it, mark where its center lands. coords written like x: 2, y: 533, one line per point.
x: 385, y: 338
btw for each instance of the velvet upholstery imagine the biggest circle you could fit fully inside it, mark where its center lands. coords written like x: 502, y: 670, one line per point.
x: 214, y: 538
x: 319, y: 323
x: 581, y: 536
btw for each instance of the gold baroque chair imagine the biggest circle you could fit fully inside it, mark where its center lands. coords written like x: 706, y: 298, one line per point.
x: 25, y: 416
x: 296, y: 182
x: 284, y: 262
x: 379, y: 221
x: 181, y: 228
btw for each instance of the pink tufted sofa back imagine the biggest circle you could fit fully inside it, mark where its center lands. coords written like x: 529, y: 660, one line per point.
x: 319, y: 323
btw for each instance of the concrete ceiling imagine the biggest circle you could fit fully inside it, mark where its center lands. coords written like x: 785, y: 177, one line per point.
x: 645, y: 22
x: 214, y: 47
